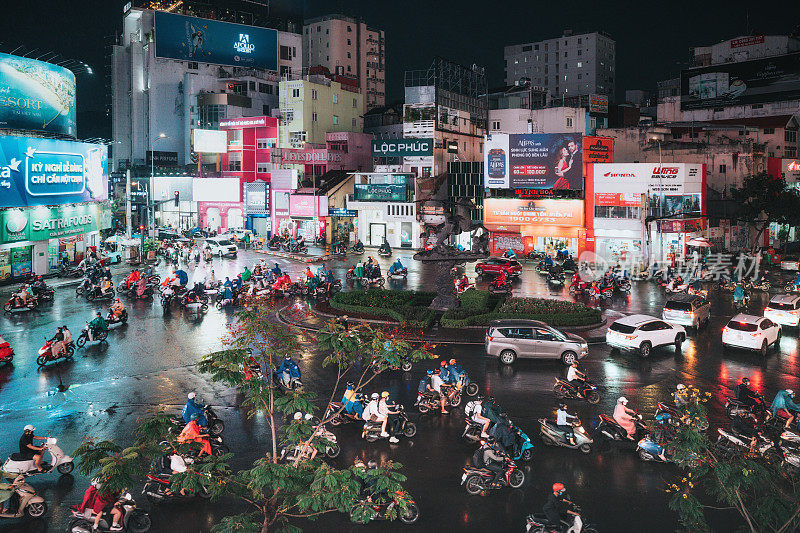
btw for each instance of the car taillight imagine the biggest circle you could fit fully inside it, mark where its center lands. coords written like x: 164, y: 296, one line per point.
x: 489, y: 338
x: 630, y: 337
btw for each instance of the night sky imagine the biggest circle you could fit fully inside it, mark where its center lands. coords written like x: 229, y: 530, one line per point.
x: 652, y: 38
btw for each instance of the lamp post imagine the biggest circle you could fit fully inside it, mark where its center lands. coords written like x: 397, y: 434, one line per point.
x: 161, y: 135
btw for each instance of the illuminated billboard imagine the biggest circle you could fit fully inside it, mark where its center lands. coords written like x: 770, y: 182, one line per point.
x: 35, y: 95
x: 49, y: 172
x: 533, y: 161
x: 209, y: 141
x: 210, y: 41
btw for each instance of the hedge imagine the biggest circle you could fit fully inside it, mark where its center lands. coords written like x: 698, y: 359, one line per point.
x: 406, y: 307
x: 557, y: 313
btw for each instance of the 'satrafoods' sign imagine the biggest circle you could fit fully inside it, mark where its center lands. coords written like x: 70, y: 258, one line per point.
x: 402, y: 148
x: 533, y: 212
x: 44, y: 223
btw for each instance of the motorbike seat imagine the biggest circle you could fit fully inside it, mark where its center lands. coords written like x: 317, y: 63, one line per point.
x: 16, y: 456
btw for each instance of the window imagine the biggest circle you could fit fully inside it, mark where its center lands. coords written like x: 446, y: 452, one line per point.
x: 790, y: 136
x: 262, y: 144
x: 769, y: 131
x: 355, y: 103
x: 313, y: 94
x: 580, y: 41
x: 235, y: 137
x: 517, y: 333
x: 495, y: 124
x: 544, y: 335
x: 348, y: 55
x: 288, y: 115
x: 354, y: 123
x: 297, y: 137
x: 757, y: 106
x: 335, y: 98
x: 235, y: 160
x: 526, y: 48
x: 565, y: 54
x: 286, y: 53
x: 262, y: 87
x: 265, y: 110
x: 723, y: 169
x: 611, y: 211
x: 580, y: 52
x: 348, y: 42
x: 349, y: 29
x: 192, y: 65
x: 335, y: 120
x: 314, y: 116
x: 536, y: 47
x: 295, y: 93
x: 263, y: 167
x: 569, y: 122
x: 580, y: 64
x: 348, y: 68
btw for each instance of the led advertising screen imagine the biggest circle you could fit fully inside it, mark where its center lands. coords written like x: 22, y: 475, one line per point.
x: 209, y: 141
x: 50, y: 172
x: 35, y: 95
x: 533, y: 161
x: 210, y: 41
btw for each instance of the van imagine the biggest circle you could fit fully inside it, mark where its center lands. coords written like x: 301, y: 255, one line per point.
x: 221, y: 247
x: 515, y: 338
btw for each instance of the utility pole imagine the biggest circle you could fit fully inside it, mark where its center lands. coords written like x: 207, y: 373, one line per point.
x: 128, y: 204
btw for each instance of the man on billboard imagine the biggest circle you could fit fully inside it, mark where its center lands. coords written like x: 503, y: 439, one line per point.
x: 575, y: 173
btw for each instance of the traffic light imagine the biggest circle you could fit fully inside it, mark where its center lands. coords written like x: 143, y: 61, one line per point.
x: 177, y: 198
x: 141, y: 228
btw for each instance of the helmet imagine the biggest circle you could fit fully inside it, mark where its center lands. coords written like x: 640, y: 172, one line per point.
x: 562, y: 405
x: 298, y: 415
x: 790, y: 391
x: 558, y: 487
x: 622, y: 399
x: 350, y: 384
x: 662, y: 417
x: 680, y: 386
x: 490, y: 440
x: 29, y: 428
x: 374, y: 396
x: 384, y: 394
x: 452, y: 361
x: 308, y: 416
x: 745, y: 380
x: 195, y: 416
x: 429, y: 372
x: 192, y: 395
x: 443, y: 364
x: 372, y: 463
x: 116, y: 299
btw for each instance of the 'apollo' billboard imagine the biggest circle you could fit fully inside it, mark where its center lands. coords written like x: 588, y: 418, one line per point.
x: 37, y: 171
x: 533, y: 161
x: 35, y: 95
x: 210, y: 41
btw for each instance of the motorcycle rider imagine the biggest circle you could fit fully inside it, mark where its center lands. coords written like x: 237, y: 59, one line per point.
x: 463, y: 282
x: 276, y: 271
x: 352, y: 405
x: 194, y: 408
x: 396, y: 267
x: 625, y: 417
x: 680, y: 396
x: 193, y: 432
x: 97, y: 325
x: 28, y: 451
x: 746, y: 395
x: 67, y: 335
x: 246, y: 274
x: 474, y: 410
x: 739, y: 294
x: 784, y: 405
x: 117, y: 308
x: 389, y: 415
x: 132, y: 278
x: 106, y: 286
x: 287, y: 370
x: 359, y: 269
x: 375, y: 272
x: 437, y: 385
x: 576, y: 378
x: 557, y: 506
x: 662, y: 434
x: 57, y: 348
x: 501, y: 279
x: 493, y: 459
x: 372, y: 413
x: 562, y: 422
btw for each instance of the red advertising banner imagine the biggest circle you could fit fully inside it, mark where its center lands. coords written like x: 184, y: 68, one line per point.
x: 747, y: 41
x: 688, y: 225
x: 531, y: 212
x: 598, y: 150
x: 618, y: 199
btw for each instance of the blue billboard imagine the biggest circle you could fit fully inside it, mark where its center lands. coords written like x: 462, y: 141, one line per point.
x: 50, y: 172
x: 210, y: 41
x: 35, y: 95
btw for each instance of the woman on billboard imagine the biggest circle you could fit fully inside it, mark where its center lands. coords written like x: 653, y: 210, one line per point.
x: 562, y: 167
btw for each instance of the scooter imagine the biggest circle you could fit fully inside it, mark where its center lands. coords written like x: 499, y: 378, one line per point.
x: 6, y: 352
x: 383, y: 511
x: 340, y: 415
x: 366, y: 282
x: 477, y: 480
x: 157, y: 487
x: 621, y: 285
x: 215, y: 425
x: 552, y: 435
x: 676, y: 416
x: 84, y: 286
x: 9, y: 308
x: 610, y: 429
x: 112, y: 319
x: 372, y: 430
x: 650, y: 450
x: 46, y: 354
x: 83, y: 338
x: 465, y: 385
x: 60, y: 461
x: 734, y: 407
x: 385, y: 251
x: 358, y: 249
x: 429, y: 402
x: 578, y: 287
x: 332, y: 448
x: 70, y: 272
x: 294, y: 382
x: 461, y: 289
x: 732, y: 443
x: 134, y: 520
x: 351, y: 273
x: 402, y: 273
x: 538, y: 523
x: 555, y: 278
x: 27, y: 503
x: 496, y: 288
x: 43, y: 293
x: 587, y: 391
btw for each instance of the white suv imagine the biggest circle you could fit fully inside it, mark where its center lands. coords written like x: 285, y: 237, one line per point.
x: 643, y: 333
x: 784, y: 309
x: 752, y: 333
x: 222, y: 247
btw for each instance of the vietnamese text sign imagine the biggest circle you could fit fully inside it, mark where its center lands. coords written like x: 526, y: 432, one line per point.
x: 310, y: 156
x: 533, y: 212
x: 381, y: 192
x: 37, y: 171
x: 35, y: 95
x: 533, y: 161
x: 598, y: 150
x: 43, y: 223
x: 402, y: 148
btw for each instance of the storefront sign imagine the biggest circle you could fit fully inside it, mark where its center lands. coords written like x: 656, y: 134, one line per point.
x: 598, y: 104
x: 342, y: 212
x: 598, y: 150
x: 381, y: 192
x: 163, y: 159
x: 618, y: 199
x: 682, y: 225
x: 402, y: 148
x: 256, y: 197
x: 533, y: 161
x: 533, y: 193
x: 307, y: 157
x: 44, y: 223
x: 511, y: 211
x: 305, y: 205
x: 642, y: 177
x: 747, y: 41
x: 247, y: 122
x: 790, y: 168
x: 37, y: 171
x: 140, y: 190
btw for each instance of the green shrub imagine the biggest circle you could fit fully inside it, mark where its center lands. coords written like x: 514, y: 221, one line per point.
x: 475, y: 301
x: 557, y: 313
x: 405, y: 307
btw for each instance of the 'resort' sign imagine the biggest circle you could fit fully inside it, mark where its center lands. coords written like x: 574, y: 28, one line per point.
x: 402, y: 148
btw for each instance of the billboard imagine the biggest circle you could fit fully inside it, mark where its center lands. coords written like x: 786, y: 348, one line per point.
x: 306, y: 205
x: 598, y: 150
x: 748, y: 82
x: 510, y: 211
x: 210, y: 41
x: 402, y: 148
x: 533, y: 161
x: 639, y: 178
x: 44, y: 223
x: 216, y: 190
x: 598, y: 104
x: 35, y: 95
x: 389, y: 192
x: 48, y: 172
x: 292, y: 156
x: 209, y: 141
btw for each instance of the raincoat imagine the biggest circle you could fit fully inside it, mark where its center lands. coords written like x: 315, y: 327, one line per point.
x: 623, y: 417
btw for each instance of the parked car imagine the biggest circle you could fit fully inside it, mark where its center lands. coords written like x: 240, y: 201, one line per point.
x: 642, y: 333
x: 238, y: 233
x: 784, y: 309
x: 687, y: 310
x: 494, y: 265
x: 196, y: 233
x: 751, y: 333
x: 222, y: 247
x: 165, y: 234
x: 515, y: 338
x: 790, y: 262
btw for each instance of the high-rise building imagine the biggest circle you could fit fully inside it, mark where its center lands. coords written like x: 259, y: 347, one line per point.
x: 349, y: 47
x: 285, y: 15
x: 570, y: 65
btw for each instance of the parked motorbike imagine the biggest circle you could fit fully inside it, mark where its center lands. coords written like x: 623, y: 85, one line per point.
x: 83, y: 338
x: 358, y: 249
x: 384, y: 251
x: 586, y: 391
x: 134, y: 520
x: 17, y: 464
x: 430, y: 402
x: 552, y: 435
x: 760, y: 284
x: 24, y: 502
x: 46, y: 354
x: 477, y: 480
x: 372, y: 430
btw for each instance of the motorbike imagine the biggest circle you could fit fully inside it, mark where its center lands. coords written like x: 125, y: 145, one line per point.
x: 157, y: 487
x: 791, y: 459
x: 734, y: 407
x: 358, y: 249
x: 198, y: 304
x: 621, y: 285
x: 215, y: 425
x: 134, y: 520
x: 372, y: 430
x: 552, y: 435
x: 430, y: 402
x: 587, y: 391
x: 43, y: 292
x: 504, y: 288
x: 742, y: 303
x: 10, y: 308
x: 25, y: 502
x: 6, y: 353
x: 84, y: 286
x: 538, y: 523
x: 650, y: 450
x: 464, y: 385
x: 46, y: 354
x: 70, y: 272
x: 555, y: 278
x: 461, y: 289
x: 95, y: 294
x: 601, y: 293
x: 579, y: 287
x: 294, y: 383
x: 509, y: 254
x: 112, y: 319
x: 339, y: 416
x: 339, y: 249
x: 790, y: 287
x: 60, y: 461
x: 477, y: 480
x: 677, y: 416
x: 402, y: 273
x: 732, y: 443
x: 385, y: 251
x: 351, y: 273
x: 383, y: 511
x: 332, y: 449
x: 83, y: 338
x: 366, y: 282
x: 610, y: 429
x: 524, y: 451
x: 533, y: 254
x: 761, y: 284
x: 543, y: 268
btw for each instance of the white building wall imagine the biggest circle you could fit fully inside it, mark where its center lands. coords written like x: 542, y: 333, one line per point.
x: 548, y: 120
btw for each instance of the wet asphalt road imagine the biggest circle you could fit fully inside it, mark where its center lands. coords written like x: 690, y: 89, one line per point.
x: 150, y: 363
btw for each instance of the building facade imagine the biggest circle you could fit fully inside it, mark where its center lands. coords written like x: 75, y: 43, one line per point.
x: 569, y: 65
x: 350, y: 47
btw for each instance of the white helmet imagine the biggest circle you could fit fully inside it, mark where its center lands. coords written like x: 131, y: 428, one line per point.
x: 375, y: 396
x: 680, y: 386
x: 192, y: 395
x: 298, y: 415
x: 790, y: 391
x: 28, y: 428
x: 622, y: 399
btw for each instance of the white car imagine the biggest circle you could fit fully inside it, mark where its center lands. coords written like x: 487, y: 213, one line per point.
x: 790, y: 262
x: 222, y: 247
x: 752, y: 333
x: 642, y: 333
x: 784, y: 309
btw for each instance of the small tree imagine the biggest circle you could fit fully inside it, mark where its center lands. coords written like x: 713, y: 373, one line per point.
x: 764, y: 495
x: 763, y: 199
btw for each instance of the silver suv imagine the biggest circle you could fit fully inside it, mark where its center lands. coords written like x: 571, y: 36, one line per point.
x: 511, y: 339
x: 687, y: 310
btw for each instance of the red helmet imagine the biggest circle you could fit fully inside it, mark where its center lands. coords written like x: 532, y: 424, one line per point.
x: 443, y: 363
x: 452, y: 361
x: 558, y: 487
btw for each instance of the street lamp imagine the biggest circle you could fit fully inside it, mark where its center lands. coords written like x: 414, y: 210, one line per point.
x: 161, y: 135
